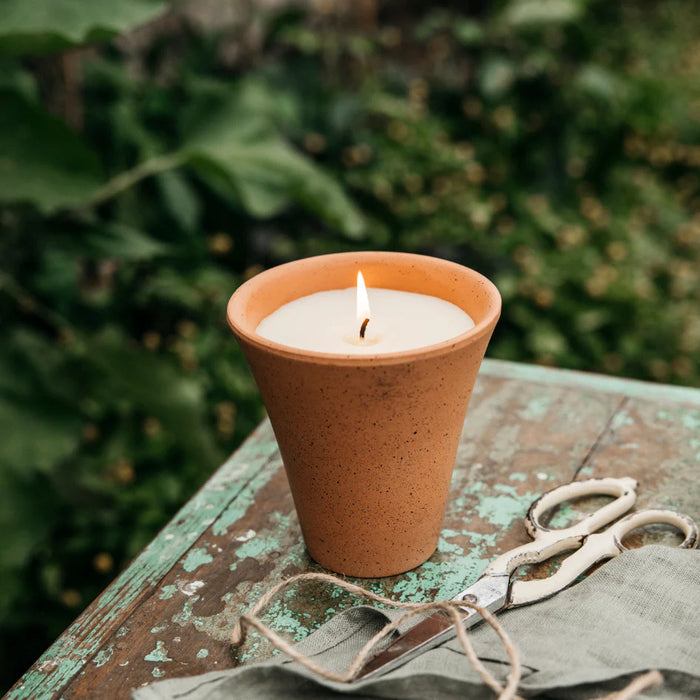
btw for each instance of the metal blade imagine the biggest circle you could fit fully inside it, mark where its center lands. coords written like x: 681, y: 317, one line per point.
x: 490, y: 592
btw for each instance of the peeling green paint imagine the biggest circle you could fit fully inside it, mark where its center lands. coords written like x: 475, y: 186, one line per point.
x: 250, y: 653
x: 237, y: 508
x: 449, y: 547
x: 503, y: 510
x: 203, y: 653
x: 150, y: 566
x: 446, y: 579
x: 159, y: 628
x: 287, y: 621
x: 564, y: 516
x: 691, y: 420
x: 621, y: 419
x: 695, y: 445
x: 263, y: 545
x: 167, y: 592
x: 257, y: 547
x: 239, y: 481
x: 159, y: 654
x: 195, y: 558
x: 536, y: 408
x: 183, y: 617
x: 103, y: 656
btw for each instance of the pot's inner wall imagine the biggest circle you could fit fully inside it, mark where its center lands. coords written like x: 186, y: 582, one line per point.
x: 273, y: 288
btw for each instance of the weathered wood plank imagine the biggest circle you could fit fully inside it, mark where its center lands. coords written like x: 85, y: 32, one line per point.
x: 171, y: 612
x: 82, y: 640
x: 590, y: 381
x: 505, y: 459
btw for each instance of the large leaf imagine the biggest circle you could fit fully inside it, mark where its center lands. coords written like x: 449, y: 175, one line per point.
x: 148, y: 383
x: 41, y: 26
x: 42, y: 162
x: 40, y: 424
x: 115, y: 240
x: 27, y: 515
x: 540, y: 13
x: 37, y: 435
x: 243, y: 157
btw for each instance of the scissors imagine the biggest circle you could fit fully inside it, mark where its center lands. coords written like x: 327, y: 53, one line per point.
x: 495, y: 591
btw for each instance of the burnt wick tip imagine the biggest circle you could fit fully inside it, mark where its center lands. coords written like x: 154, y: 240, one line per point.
x: 363, y: 328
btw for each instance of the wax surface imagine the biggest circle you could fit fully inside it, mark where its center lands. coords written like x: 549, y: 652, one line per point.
x: 327, y: 322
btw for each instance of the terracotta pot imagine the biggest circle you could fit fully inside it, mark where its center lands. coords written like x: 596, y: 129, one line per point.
x: 368, y: 442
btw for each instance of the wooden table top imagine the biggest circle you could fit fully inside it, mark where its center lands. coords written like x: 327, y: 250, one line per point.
x: 528, y: 429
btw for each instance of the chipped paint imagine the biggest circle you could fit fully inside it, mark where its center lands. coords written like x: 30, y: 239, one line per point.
x: 159, y: 654
x: 203, y: 653
x: 257, y: 548
x: 504, y: 509
x: 446, y: 579
x: 620, y: 420
x: 473, y: 537
x: 158, y: 628
x: 185, y: 615
x: 167, y: 592
x: 691, y: 420
x: 695, y: 445
x: 195, y: 558
x: 237, y: 508
x: 103, y: 656
x: 536, y: 408
x: 87, y: 634
x: 245, y: 537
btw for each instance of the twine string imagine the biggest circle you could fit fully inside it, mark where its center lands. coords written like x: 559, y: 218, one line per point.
x: 455, y: 610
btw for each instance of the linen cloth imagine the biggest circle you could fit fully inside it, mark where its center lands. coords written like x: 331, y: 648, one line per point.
x: 639, y: 611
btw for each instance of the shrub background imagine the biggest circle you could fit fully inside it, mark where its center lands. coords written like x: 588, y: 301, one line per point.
x: 152, y: 157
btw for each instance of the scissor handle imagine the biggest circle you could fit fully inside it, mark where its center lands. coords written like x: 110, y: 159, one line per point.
x: 550, y: 541
x: 623, y: 489
x: 599, y: 547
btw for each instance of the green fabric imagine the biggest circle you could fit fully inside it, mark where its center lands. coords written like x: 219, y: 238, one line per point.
x: 639, y: 611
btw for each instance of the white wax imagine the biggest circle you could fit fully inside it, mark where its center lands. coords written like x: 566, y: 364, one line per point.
x: 327, y: 322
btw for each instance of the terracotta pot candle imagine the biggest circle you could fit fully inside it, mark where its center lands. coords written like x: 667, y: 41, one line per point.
x: 368, y: 433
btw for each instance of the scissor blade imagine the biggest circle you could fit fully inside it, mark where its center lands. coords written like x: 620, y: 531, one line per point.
x: 489, y: 592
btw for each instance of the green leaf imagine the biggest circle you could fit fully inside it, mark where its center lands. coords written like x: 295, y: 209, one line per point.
x: 42, y: 162
x: 243, y: 157
x: 151, y: 384
x: 115, y: 240
x: 43, y: 26
x: 533, y: 13
x: 37, y: 434
x: 27, y: 516
x: 180, y: 199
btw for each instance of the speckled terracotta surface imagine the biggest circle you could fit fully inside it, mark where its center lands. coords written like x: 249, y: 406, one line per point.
x: 368, y: 442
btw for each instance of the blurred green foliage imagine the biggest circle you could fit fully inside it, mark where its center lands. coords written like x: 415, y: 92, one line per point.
x: 554, y: 146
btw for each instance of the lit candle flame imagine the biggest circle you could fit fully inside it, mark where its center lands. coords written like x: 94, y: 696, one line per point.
x: 363, y: 312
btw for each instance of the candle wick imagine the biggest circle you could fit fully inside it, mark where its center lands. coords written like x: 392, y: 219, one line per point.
x: 363, y: 328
